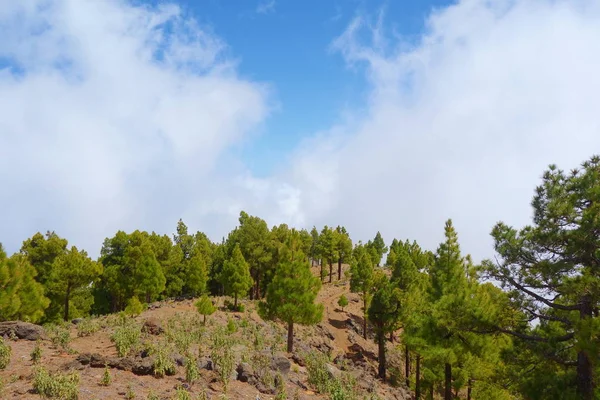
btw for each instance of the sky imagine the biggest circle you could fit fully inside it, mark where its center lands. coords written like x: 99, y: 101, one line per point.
x: 388, y: 116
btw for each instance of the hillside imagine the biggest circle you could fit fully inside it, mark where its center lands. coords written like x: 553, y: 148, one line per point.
x: 239, y: 346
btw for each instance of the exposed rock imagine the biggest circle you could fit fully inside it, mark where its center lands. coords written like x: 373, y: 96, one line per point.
x: 22, y: 330
x: 333, y: 372
x: 205, y: 363
x: 298, y: 359
x: 144, y: 366
x: 153, y: 326
x: 281, y: 364
x: 77, y: 321
x: 244, y: 372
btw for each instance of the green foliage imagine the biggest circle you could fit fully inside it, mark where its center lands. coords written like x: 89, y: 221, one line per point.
x: 222, y: 356
x: 163, y: 362
x: 56, y: 385
x: 231, y: 326
x: 87, y: 327
x: 205, y: 307
x: 379, y: 247
x: 36, y: 353
x: 130, y: 394
x: 21, y: 297
x: 126, y: 338
x: 343, y: 301
x: 106, y: 377
x: 551, y: 272
x: 328, y: 249
x: 291, y: 296
x: 235, y: 276
x: 153, y: 396
x: 322, y: 380
x: 5, y: 353
x: 182, y: 394
x: 362, y: 277
x: 60, y: 335
x: 192, y: 374
x: 134, y: 307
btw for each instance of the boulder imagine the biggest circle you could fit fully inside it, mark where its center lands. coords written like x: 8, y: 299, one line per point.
x: 153, y: 326
x: 144, y: 366
x: 22, y: 330
x: 205, y: 363
x: 281, y: 364
x: 77, y: 321
x: 244, y: 372
x: 333, y: 372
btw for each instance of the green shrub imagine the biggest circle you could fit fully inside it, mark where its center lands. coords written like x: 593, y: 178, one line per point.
x: 87, y: 327
x: 36, y: 353
x: 106, y: 378
x: 60, y: 335
x: 182, y: 394
x: 222, y: 356
x: 163, y: 363
x: 152, y: 396
x: 191, y: 370
x: 130, y: 394
x: 343, y: 301
x: 231, y: 326
x: 126, y: 338
x: 134, y: 307
x: 57, y: 385
x: 5, y: 353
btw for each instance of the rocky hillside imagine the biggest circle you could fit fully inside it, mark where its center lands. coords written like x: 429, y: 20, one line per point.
x: 168, y: 353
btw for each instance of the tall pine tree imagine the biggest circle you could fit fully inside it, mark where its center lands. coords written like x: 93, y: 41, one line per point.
x: 362, y: 278
x: 235, y: 276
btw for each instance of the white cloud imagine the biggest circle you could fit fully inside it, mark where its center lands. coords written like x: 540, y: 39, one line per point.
x: 266, y: 7
x: 114, y: 117
x: 461, y: 124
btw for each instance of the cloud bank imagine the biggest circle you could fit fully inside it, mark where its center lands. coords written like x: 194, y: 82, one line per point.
x: 114, y: 117
x: 120, y: 117
x: 460, y: 124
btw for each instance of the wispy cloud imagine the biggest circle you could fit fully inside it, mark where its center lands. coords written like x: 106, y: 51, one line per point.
x: 266, y: 7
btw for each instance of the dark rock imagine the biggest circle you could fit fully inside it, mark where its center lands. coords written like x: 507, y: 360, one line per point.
x: 205, y: 363
x: 244, y: 372
x: 84, y: 358
x: 261, y: 387
x: 281, y: 364
x: 22, y: 330
x: 178, y: 359
x: 77, y: 321
x: 298, y: 359
x: 153, y: 326
x: 144, y: 366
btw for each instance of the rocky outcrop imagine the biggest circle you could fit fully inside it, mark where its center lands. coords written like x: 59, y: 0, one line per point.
x: 22, y: 330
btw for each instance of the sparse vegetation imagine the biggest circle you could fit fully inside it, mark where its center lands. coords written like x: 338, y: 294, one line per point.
x: 5, y: 353
x: 87, y: 327
x: 126, y: 337
x: 60, y: 335
x: 36, y: 353
x: 56, y: 385
x: 106, y: 377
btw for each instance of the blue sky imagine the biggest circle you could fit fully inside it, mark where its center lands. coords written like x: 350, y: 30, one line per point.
x: 288, y: 44
x: 398, y: 127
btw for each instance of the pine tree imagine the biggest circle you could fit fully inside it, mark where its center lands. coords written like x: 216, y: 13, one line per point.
x: 384, y: 311
x: 380, y: 247
x: 328, y: 248
x: 205, y: 307
x: 343, y: 301
x: 71, y: 271
x: 314, y: 245
x: 343, y: 247
x: 21, y: 297
x: 235, y: 276
x: 551, y: 271
x: 362, y: 278
x: 291, y: 296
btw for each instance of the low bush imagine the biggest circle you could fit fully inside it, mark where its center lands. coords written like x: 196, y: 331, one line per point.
x: 57, y: 385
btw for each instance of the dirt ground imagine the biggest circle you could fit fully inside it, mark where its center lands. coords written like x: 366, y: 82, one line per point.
x: 338, y: 334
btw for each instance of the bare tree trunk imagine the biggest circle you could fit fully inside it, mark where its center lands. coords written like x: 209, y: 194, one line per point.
x: 381, y: 357
x: 67, y: 295
x: 418, y: 378
x: 407, y: 366
x: 448, y: 382
x: 365, y: 315
x: 585, y: 382
x: 339, y: 269
x: 235, y: 301
x: 290, y: 338
x: 330, y: 271
x: 469, y: 387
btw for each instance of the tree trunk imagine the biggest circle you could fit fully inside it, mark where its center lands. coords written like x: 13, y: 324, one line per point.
x: 365, y: 314
x: 204, y: 321
x: 67, y: 295
x: 418, y: 378
x: 340, y: 269
x: 322, y: 272
x: 330, y: 271
x: 407, y: 366
x: 469, y: 387
x: 235, y: 301
x: 381, y: 357
x: 448, y: 382
x: 290, y: 343
x: 585, y: 383
x: 431, y: 391
x: 258, y: 286
x: 392, y: 336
